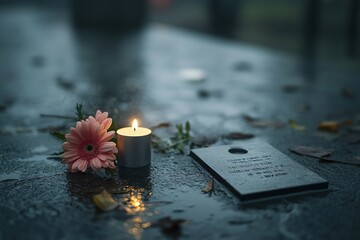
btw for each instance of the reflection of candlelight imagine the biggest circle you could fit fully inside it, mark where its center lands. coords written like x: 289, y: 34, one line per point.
x: 136, y: 192
x: 134, y: 205
x: 136, y: 226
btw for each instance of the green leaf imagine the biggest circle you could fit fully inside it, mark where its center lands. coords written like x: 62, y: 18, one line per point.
x: 296, y: 126
x: 187, y: 127
x: 57, y: 153
x: 179, y: 128
x: 59, y: 135
x: 178, y: 143
x: 79, y: 112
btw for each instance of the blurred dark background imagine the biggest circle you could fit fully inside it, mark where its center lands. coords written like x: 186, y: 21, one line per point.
x: 325, y: 29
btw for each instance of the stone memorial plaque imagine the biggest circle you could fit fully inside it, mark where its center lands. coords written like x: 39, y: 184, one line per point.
x: 257, y: 170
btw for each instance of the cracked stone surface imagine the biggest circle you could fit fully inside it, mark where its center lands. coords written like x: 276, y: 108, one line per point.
x: 47, y: 66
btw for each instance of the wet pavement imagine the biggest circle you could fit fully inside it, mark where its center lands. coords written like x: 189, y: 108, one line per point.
x: 47, y: 66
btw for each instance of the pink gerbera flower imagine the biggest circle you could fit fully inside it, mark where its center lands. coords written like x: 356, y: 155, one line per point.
x: 88, y: 144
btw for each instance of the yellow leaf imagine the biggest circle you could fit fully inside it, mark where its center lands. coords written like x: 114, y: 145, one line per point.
x: 294, y: 125
x: 104, y: 201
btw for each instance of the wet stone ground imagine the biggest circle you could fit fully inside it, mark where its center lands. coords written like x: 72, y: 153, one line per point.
x: 46, y: 66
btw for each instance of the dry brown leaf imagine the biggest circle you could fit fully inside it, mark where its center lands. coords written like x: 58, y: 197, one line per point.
x: 333, y: 126
x: 315, y: 152
x: 259, y: 123
x: 209, y: 187
x: 294, y: 125
x: 238, y: 136
x: 104, y: 201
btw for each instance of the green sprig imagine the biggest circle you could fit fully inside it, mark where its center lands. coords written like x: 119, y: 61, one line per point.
x: 79, y: 112
x: 179, y: 143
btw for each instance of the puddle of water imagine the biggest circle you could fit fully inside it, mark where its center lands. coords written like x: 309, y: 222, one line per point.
x: 194, y: 205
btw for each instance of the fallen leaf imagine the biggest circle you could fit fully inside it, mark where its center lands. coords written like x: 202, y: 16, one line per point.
x: 263, y: 123
x: 170, y: 227
x: 238, y: 136
x: 294, y: 125
x: 104, y: 201
x: 333, y: 126
x: 315, y: 152
x: 209, y: 187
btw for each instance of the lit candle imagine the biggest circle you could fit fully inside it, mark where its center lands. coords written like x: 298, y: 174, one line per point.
x: 134, y: 145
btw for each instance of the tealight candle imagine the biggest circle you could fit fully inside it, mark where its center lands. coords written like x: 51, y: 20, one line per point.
x: 134, y: 145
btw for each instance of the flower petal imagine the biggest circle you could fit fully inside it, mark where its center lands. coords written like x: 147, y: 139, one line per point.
x: 105, y: 164
x: 77, y: 133
x: 69, y: 154
x: 108, y: 136
x: 67, y: 146
x: 71, y: 159
x: 95, y: 163
x: 76, y: 164
x: 98, y: 113
x: 71, y: 138
x: 100, y: 117
x: 106, y: 157
x: 111, y: 164
x: 106, y: 123
x: 107, y: 147
x: 83, y: 165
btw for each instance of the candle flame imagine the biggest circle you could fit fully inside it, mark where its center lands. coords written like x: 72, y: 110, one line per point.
x: 135, y: 125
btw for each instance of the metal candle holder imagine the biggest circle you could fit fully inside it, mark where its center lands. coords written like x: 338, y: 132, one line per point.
x: 134, y: 145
